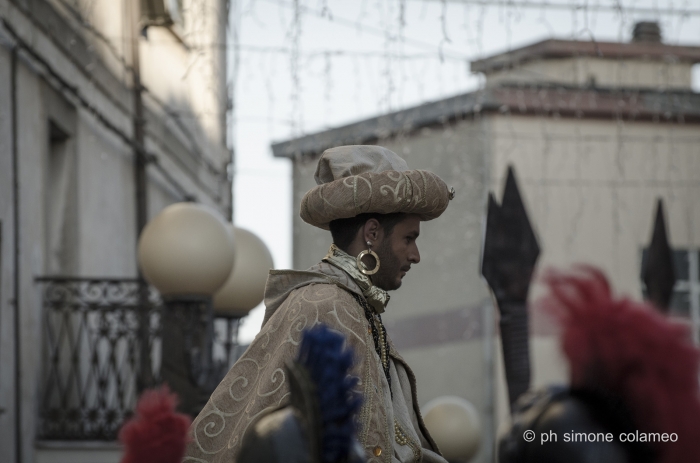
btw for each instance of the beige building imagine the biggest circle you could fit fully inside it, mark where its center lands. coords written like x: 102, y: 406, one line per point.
x: 596, y: 132
x: 85, y: 161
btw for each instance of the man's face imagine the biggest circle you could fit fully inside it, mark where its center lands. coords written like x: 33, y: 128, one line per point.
x: 397, y: 252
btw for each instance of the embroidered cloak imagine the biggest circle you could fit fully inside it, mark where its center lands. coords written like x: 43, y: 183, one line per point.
x: 295, y: 301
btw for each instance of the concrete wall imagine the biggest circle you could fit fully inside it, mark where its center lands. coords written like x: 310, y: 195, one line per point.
x: 441, y: 319
x: 310, y: 244
x: 590, y: 188
x: 7, y: 270
x: 448, y: 278
x: 601, y: 72
x: 76, y: 199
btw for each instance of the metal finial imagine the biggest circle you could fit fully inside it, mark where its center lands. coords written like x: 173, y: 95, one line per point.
x: 657, y: 268
x: 510, y: 253
x: 510, y: 249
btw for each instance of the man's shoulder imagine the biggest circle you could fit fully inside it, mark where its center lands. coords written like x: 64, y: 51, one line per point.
x: 322, y: 292
x: 282, y: 283
x: 319, y: 302
x: 309, y: 288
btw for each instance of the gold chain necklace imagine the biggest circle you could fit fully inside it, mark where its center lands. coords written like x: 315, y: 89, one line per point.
x: 403, y: 439
x: 381, y: 345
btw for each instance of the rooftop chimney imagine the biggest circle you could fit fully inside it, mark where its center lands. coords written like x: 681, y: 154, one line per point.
x: 646, y: 31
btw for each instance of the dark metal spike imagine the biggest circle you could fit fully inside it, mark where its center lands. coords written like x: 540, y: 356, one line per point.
x: 510, y: 245
x: 658, y: 272
x: 509, y: 256
x: 515, y: 215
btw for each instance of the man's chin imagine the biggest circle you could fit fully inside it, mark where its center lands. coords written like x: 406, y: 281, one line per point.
x: 390, y: 287
x: 396, y: 285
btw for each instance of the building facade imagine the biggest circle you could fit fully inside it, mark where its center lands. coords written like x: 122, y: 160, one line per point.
x: 596, y: 132
x: 109, y: 111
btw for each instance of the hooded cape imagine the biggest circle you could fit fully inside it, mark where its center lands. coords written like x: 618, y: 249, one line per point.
x: 257, y: 382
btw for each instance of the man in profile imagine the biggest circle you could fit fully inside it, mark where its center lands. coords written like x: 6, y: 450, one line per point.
x: 373, y: 205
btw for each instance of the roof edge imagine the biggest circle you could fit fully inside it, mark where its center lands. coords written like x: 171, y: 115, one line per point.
x: 632, y: 104
x: 557, y: 48
x: 383, y: 126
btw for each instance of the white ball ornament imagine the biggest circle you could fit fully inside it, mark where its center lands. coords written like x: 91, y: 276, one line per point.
x: 186, y: 249
x: 245, y: 287
x: 454, y: 424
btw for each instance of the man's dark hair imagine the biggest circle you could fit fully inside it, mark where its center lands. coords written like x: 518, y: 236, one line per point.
x: 343, y: 231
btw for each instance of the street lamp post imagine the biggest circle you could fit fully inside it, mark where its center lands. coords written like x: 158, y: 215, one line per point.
x: 187, y: 253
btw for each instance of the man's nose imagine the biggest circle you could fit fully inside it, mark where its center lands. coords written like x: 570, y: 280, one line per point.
x: 414, y: 255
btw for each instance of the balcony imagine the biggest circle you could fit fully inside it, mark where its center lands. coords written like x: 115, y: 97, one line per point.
x: 101, y: 347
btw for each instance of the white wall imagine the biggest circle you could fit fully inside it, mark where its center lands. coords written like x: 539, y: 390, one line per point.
x: 102, y: 175
x: 447, y: 278
x: 590, y: 188
x: 605, y: 72
x: 7, y: 359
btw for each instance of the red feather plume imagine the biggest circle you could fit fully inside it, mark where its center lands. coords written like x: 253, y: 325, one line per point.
x: 630, y: 349
x: 156, y: 433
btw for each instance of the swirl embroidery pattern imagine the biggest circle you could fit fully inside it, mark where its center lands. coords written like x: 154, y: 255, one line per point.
x: 257, y: 382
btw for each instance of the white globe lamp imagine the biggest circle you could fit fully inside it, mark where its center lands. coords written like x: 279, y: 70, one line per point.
x: 186, y: 250
x: 245, y: 287
x: 454, y: 424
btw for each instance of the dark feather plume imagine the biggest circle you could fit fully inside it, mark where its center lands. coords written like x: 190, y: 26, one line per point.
x: 322, y: 354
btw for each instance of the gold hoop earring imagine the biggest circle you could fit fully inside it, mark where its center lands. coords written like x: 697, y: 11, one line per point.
x: 361, y: 265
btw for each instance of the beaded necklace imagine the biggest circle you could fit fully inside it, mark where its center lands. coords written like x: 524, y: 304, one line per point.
x: 402, y: 438
x: 381, y: 345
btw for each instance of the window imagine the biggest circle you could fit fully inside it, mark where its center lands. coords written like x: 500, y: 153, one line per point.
x: 687, y: 289
x: 162, y: 12
x: 685, y: 301
x: 60, y: 185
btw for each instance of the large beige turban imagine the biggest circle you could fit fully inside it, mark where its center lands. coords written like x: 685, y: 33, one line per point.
x: 357, y: 179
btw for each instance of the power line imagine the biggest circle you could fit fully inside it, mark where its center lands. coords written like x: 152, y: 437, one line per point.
x: 286, y: 50
x: 365, y: 28
x: 108, y: 40
x: 618, y: 8
x: 349, y: 53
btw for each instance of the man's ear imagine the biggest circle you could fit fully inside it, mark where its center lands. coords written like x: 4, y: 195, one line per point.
x: 372, y: 231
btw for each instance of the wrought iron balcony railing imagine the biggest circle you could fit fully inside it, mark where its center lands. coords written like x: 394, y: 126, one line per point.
x: 101, y: 348
x: 93, y: 355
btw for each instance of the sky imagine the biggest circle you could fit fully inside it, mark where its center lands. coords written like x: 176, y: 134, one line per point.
x: 303, y: 66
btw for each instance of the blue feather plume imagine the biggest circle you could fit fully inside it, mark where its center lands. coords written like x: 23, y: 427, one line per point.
x: 321, y: 353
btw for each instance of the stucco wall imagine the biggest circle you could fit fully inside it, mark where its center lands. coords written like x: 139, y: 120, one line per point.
x: 446, y: 285
x: 600, y: 72
x: 99, y: 187
x: 449, y: 245
x: 7, y: 359
x: 590, y: 188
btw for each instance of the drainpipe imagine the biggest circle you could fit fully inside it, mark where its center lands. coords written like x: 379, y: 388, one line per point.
x: 139, y: 132
x: 15, y: 219
x: 140, y: 160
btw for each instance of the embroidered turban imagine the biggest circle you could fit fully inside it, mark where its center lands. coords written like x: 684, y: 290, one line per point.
x: 358, y: 179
